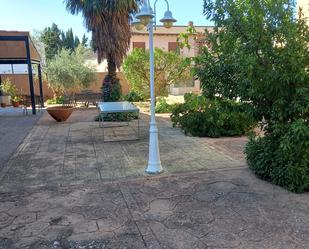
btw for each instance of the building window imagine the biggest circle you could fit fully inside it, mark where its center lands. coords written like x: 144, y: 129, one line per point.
x: 20, y: 69
x: 16, y: 69
x: 172, y: 46
x: 139, y: 45
x: 5, y: 69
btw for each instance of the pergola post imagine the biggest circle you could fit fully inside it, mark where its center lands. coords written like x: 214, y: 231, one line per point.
x: 40, y: 84
x: 0, y: 85
x: 30, y: 75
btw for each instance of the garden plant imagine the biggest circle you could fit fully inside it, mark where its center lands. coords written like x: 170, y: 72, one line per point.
x: 170, y: 68
x: 203, y: 117
x: 259, y: 54
x: 66, y: 72
x: 162, y: 106
x: 134, y: 96
x: 9, y: 89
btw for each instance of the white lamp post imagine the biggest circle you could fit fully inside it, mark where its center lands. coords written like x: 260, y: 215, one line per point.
x: 143, y: 18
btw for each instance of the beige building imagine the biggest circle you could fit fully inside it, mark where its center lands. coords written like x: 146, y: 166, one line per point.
x: 165, y: 39
x: 304, y: 4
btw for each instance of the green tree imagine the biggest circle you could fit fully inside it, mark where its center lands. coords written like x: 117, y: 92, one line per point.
x: 108, y: 20
x: 259, y: 52
x: 76, y: 41
x: 55, y: 40
x: 39, y: 45
x: 51, y: 38
x: 170, y: 68
x: 66, y: 72
x: 69, y: 42
x: 183, y: 38
x: 63, y: 39
x: 84, y: 40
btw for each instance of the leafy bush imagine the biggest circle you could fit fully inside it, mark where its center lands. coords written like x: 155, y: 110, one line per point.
x: 259, y: 54
x: 8, y: 88
x: 118, y: 117
x: 67, y: 71
x: 111, y: 89
x: 202, y: 117
x: 170, y: 68
x: 56, y: 100
x: 16, y: 99
x: 163, y: 107
x: 282, y: 157
x: 134, y: 96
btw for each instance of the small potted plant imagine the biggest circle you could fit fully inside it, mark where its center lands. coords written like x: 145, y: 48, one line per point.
x: 16, y: 101
x: 3, y: 101
x: 6, y: 89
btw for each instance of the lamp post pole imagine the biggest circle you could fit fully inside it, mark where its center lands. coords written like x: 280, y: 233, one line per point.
x: 154, y: 161
x: 146, y: 17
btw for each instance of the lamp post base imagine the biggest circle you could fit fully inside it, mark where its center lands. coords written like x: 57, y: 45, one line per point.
x: 153, y: 169
x: 154, y: 162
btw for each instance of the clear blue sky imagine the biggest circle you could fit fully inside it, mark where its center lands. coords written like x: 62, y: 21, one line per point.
x: 30, y: 15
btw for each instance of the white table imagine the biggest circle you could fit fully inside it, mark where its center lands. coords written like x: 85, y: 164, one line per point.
x: 116, y: 107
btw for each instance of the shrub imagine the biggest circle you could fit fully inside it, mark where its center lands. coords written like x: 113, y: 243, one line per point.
x: 56, y: 100
x: 16, y: 99
x: 259, y: 53
x: 8, y: 88
x: 282, y: 157
x: 67, y: 71
x: 134, y: 96
x: 163, y: 107
x: 202, y: 117
x: 170, y: 68
x: 118, y: 117
x: 111, y: 89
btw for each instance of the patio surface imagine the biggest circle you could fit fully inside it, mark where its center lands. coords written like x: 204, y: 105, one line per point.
x: 14, y: 127
x: 65, y: 188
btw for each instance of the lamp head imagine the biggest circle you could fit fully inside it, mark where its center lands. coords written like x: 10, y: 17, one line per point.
x: 168, y: 19
x: 145, y: 14
x: 137, y: 23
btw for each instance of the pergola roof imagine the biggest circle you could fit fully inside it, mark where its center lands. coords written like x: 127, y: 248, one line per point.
x: 16, y: 49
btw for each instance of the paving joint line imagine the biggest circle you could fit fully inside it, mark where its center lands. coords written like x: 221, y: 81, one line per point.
x: 137, y: 216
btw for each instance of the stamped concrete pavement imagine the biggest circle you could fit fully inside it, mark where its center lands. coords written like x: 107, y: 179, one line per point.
x: 13, y: 130
x: 65, y: 188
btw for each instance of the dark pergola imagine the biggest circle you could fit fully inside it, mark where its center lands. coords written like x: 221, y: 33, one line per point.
x: 27, y: 59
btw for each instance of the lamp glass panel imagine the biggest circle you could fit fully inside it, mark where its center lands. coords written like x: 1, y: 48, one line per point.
x: 139, y: 26
x: 145, y: 20
x: 168, y: 24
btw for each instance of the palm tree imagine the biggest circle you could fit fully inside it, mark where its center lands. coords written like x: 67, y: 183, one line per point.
x: 108, y: 20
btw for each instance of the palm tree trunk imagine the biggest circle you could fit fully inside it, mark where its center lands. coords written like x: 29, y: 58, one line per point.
x: 111, y: 67
x: 111, y: 85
